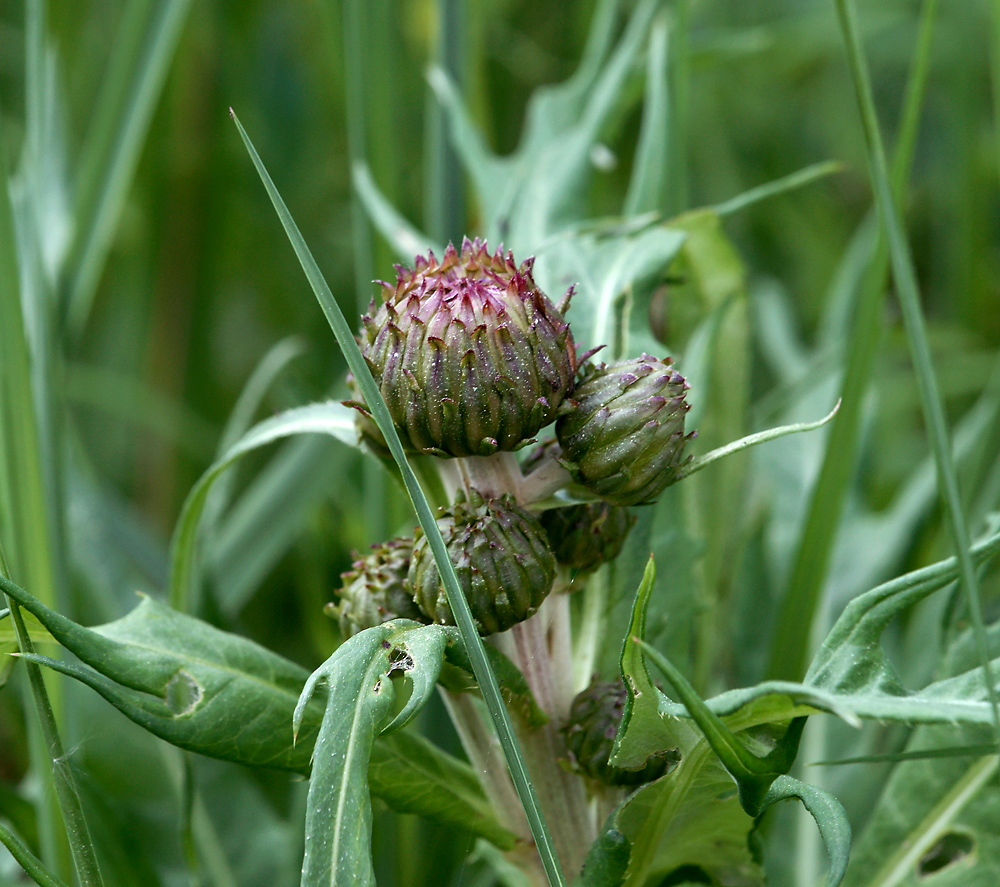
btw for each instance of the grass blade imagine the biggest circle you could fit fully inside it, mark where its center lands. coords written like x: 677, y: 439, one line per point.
x: 77, y: 831
x: 647, y: 187
x: 456, y: 600
x: 444, y: 203
x: 790, y: 652
x: 27, y: 860
x: 916, y: 332
x: 115, y: 141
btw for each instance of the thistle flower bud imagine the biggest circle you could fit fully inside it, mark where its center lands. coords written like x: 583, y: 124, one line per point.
x: 375, y: 589
x: 585, y: 536
x: 622, y: 431
x: 590, y: 732
x: 470, y: 356
x: 504, y: 566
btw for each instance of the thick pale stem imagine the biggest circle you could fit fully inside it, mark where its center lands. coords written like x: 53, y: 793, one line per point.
x: 485, y: 756
x: 492, y: 475
x: 484, y: 753
x: 495, y: 475
x: 540, y: 648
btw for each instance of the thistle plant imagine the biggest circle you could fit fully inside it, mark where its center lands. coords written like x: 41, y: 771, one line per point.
x: 520, y: 488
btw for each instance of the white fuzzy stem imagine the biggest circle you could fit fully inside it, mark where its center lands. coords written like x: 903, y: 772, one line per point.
x: 539, y: 647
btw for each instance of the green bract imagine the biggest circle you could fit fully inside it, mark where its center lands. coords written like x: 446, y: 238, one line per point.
x: 368, y: 432
x: 585, y: 536
x: 470, y: 356
x: 622, y: 431
x: 375, y: 589
x: 500, y: 555
x: 590, y: 732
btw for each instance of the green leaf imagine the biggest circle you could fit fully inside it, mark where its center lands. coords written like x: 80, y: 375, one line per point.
x: 644, y: 731
x: 787, y: 183
x: 403, y: 237
x: 647, y: 187
x: 834, y: 827
x: 146, y: 663
x: 187, y: 682
x: 935, y: 818
x: 140, y: 58
x: 330, y: 418
x: 268, y: 516
x: 361, y: 688
x: 414, y: 776
x: 752, y: 440
x: 516, y: 692
x: 689, y: 818
x: 851, y: 675
x: 607, y: 860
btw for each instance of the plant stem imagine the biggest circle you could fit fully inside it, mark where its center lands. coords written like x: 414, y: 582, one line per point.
x: 790, y: 650
x: 539, y: 647
x: 483, y: 750
x: 77, y: 831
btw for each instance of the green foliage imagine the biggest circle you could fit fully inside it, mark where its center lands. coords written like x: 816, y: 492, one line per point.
x: 700, y: 178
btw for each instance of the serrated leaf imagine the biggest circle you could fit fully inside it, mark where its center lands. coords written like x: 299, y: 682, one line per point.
x: 644, y: 730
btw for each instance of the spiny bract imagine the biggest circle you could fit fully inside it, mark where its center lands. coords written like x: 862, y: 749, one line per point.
x: 375, y: 589
x: 503, y: 563
x: 471, y: 357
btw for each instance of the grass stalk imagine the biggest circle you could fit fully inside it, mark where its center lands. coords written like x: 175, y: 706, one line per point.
x: 790, y: 650
x: 25, y: 478
x: 443, y: 183
x: 140, y: 59
x: 34, y: 867
x: 355, y: 78
x: 488, y: 685
x: 680, y: 75
x: 80, y: 843
x: 908, y: 293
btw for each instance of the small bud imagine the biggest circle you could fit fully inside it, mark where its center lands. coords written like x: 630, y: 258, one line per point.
x: 590, y: 732
x: 499, y: 551
x: 376, y: 590
x: 622, y: 432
